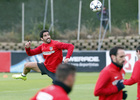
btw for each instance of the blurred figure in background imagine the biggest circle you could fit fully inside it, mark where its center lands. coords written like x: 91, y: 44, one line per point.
x: 65, y: 78
x: 105, y: 17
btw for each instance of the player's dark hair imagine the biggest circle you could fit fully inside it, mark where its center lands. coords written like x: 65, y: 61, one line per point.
x: 41, y: 33
x: 63, y: 70
x: 138, y: 48
x: 114, y: 50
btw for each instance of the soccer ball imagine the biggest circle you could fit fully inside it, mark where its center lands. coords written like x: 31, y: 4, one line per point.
x: 95, y: 5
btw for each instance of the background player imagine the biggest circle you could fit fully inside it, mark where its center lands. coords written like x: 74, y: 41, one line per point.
x: 52, y: 53
x: 135, y: 77
x: 65, y: 77
x: 105, y: 17
x: 109, y: 85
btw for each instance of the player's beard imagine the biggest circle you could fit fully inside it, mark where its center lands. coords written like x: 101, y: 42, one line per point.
x: 120, y: 63
x: 47, y: 40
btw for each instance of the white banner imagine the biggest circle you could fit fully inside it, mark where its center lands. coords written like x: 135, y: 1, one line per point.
x: 129, y: 63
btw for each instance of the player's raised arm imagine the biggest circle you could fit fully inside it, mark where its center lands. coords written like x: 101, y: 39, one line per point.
x: 31, y: 52
x: 68, y: 47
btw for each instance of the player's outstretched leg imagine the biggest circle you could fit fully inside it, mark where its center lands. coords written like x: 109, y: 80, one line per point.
x: 27, y: 67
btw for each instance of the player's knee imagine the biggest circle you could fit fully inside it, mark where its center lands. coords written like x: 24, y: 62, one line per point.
x: 26, y: 65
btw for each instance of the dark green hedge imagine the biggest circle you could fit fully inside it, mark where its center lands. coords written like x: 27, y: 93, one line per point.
x: 65, y: 14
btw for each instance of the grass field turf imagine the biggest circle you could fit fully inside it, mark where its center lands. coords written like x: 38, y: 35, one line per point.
x: 11, y: 89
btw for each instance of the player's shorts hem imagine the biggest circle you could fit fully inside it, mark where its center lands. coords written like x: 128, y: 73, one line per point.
x: 45, y: 71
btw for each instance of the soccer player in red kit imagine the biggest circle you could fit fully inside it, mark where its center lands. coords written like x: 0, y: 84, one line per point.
x: 135, y: 77
x: 109, y: 84
x: 65, y: 78
x: 52, y: 53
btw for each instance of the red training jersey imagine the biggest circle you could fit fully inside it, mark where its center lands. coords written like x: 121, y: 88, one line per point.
x: 135, y: 78
x: 52, y: 53
x: 106, y: 87
x: 53, y: 92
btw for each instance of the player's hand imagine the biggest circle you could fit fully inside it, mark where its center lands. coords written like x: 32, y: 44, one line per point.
x: 28, y: 44
x: 120, y: 85
x: 66, y: 60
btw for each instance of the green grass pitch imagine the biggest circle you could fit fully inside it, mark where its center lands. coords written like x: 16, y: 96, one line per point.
x: 11, y: 89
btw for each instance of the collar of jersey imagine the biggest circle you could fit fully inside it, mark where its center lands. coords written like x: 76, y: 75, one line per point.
x: 116, y: 66
x: 66, y: 88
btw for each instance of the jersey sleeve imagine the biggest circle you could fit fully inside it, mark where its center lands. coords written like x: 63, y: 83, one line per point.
x: 67, y: 46
x: 135, y: 77
x: 31, y: 52
x: 103, y: 80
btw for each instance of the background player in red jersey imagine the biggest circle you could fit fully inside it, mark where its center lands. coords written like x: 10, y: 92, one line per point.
x: 65, y: 77
x: 109, y: 85
x: 135, y: 77
x: 52, y: 53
